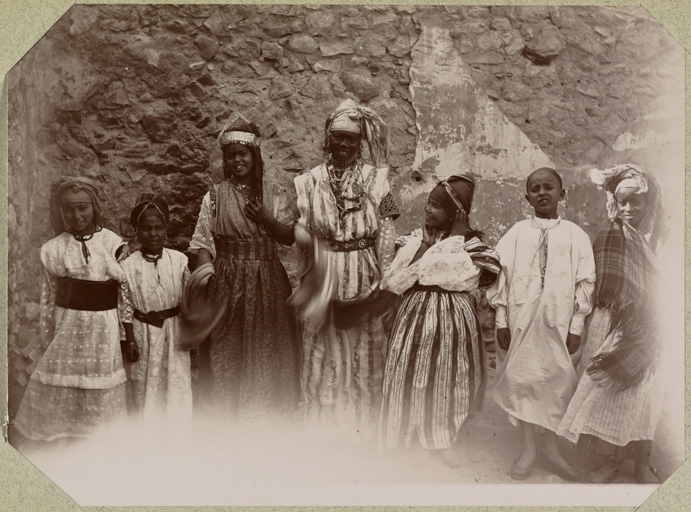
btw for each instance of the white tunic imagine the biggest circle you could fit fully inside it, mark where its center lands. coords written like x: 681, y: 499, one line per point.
x: 537, y: 378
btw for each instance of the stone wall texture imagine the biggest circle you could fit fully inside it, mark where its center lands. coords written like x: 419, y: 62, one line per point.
x: 134, y: 97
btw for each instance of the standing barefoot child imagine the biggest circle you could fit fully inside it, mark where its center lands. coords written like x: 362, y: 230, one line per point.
x: 434, y: 369
x: 544, y: 288
x: 161, y: 378
x: 78, y: 387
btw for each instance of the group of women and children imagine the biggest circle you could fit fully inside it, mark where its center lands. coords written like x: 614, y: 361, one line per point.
x: 116, y: 330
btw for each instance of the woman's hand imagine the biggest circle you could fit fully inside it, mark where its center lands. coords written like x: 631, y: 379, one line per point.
x: 460, y: 224
x: 504, y: 338
x: 428, y: 236
x: 257, y: 212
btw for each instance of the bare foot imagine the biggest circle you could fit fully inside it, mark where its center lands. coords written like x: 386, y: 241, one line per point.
x: 646, y: 475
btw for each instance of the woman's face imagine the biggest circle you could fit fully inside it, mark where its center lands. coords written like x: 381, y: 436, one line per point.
x: 238, y: 161
x: 78, y: 211
x: 343, y: 146
x: 631, y: 206
x: 435, y: 216
x: 151, y: 232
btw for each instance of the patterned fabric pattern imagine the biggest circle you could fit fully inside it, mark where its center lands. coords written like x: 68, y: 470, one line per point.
x: 342, y: 369
x: 434, y: 371
x: 253, y: 351
x: 618, y: 417
x: 78, y: 386
x: 388, y: 207
x: 161, y: 378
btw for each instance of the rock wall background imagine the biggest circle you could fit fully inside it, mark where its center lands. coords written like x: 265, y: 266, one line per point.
x: 134, y: 97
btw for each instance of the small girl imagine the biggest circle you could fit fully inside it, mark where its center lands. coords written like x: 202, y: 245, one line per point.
x: 545, y: 288
x: 78, y: 386
x: 160, y: 375
x: 434, y: 369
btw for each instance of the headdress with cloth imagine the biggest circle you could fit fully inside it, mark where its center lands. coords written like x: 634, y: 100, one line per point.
x: 238, y: 130
x: 354, y: 118
x: 626, y: 281
x: 74, y: 184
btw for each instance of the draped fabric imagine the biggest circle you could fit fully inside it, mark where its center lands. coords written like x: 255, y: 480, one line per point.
x: 78, y: 386
x: 342, y: 368
x: 161, y: 378
x: 536, y: 378
x: 253, y: 352
x: 434, y: 367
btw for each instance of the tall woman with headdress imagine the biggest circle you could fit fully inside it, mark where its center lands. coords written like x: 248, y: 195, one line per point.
x: 618, y: 401
x: 434, y: 368
x: 253, y: 350
x: 77, y: 389
x: 345, y: 230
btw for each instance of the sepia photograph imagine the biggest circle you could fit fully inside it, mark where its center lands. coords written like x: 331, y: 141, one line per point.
x: 347, y: 255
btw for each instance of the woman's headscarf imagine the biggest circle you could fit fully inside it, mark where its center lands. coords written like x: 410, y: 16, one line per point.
x: 626, y: 279
x: 238, y: 130
x: 354, y: 118
x: 74, y: 184
x: 458, y: 193
x: 149, y: 202
x: 629, y: 175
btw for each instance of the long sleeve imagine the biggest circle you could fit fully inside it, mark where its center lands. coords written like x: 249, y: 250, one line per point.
x: 125, y: 306
x: 203, y: 237
x: 385, y: 243
x: 446, y: 264
x: 498, y: 293
x: 401, y: 274
x: 47, y: 315
x: 585, y: 284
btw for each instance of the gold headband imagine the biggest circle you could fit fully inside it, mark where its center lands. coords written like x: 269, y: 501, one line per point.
x: 236, y: 137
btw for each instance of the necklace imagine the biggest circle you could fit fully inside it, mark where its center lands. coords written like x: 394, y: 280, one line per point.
x: 83, y: 239
x: 152, y: 258
x: 339, y: 183
x: 245, y: 190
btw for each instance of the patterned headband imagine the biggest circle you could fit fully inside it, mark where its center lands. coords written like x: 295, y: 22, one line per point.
x: 237, y: 137
x: 452, y: 194
x: 146, y: 207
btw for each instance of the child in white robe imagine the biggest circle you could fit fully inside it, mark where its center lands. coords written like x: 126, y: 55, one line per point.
x: 542, y: 298
x: 161, y: 376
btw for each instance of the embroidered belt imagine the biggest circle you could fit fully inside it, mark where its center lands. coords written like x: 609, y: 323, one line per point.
x: 87, y: 295
x: 156, y: 318
x: 417, y: 287
x: 358, y: 244
x: 261, y: 249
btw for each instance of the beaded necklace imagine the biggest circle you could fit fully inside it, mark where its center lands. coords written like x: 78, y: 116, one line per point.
x: 338, y: 181
x: 83, y: 239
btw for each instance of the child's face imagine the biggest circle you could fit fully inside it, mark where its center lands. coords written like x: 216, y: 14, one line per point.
x: 435, y: 216
x: 343, y: 146
x: 631, y: 206
x: 544, y: 194
x: 78, y: 211
x: 151, y: 232
x: 237, y: 159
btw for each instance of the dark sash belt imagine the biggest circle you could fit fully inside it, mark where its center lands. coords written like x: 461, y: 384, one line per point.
x: 259, y: 249
x: 417, y: 287
x: 358, y: 244
x: 156, y: 318
x: 87, y: 295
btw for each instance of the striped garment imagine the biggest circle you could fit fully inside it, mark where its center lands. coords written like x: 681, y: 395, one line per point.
x: 434, y: 370
x: 342, y: 368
